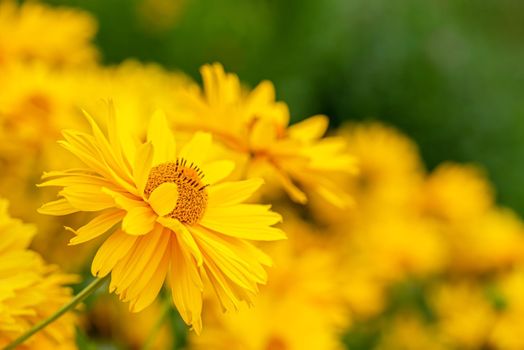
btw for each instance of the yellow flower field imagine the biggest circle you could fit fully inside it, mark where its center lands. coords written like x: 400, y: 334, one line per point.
x: 142, y: 208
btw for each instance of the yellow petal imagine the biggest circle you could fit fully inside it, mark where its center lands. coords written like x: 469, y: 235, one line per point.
x: 110, y: 252
x: 75, y: 180
x: 159, y: 134
x: 154, y: 285
x: 145, y: 248
x: 229, y: 294
x: 235, y: 192
x: 81, y: 146
x: 143, y: 160
x: 216, y: 171
x: 309, y: 129
x: 111, y: 156
x: 231, y: 259
x: 248, y: 221
x: 96, y: 227
x: 186, y: 286
x: 120, y: 268
x: 184, y: 236
x: 296, y: 194
x: 197, y: 149
x: 139, y: 221
x: 262, y: 94
x: 57, y: 208
x: 87, y: 197
x: 163, y: 199
x: 263, y: 134
x: 124, y: 200
x: 142, y: 280
x: 337, y: 198
x: 85, y: 147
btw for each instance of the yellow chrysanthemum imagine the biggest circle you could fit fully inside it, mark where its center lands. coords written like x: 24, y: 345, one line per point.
x: 30, y: 290
x: 66, y: 40
x: 254, y: 124
x: 175, y: 219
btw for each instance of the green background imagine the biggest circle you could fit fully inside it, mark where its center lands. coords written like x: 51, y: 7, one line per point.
x: 449, y: 73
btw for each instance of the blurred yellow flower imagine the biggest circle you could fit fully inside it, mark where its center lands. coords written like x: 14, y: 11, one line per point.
x: 465, y: 315
x: 255, y: 125
x: 390, y: 174
x: 457, y: 192
x: 388, y: 242
x: 390, y: 168
x: 175, y: 218
x: 480, y: 236
x: 288, y: 324
x: 57, y: 36
x: 30, y: 290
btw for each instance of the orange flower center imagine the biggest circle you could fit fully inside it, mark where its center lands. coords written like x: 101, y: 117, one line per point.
x: 192, y: 195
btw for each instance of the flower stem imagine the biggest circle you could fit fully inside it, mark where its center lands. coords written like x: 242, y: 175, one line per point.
x: 87, y: 291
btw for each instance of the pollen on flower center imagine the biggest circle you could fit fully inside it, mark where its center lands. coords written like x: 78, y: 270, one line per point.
x: 192, y: 194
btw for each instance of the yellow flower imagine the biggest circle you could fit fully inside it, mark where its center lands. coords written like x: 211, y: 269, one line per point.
x: 37, y: 102
x: 465, y: 315
x: 480, y: 236
x: 390, y: 173
x: 30, y: 290
x: 175, y: 219
x: 390, y: 166
x: 455, y: 192
x: 67, y: 39
x: 254, y: 124
x: 387, y: 241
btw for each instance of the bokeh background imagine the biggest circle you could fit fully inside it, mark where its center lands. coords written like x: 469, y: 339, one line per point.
x: 449, y: 73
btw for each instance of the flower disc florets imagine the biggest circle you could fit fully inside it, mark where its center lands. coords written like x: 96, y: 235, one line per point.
x: 192, y: 195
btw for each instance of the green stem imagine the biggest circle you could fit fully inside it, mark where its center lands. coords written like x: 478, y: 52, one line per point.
x: 156, y: 328
x: 87, y: 291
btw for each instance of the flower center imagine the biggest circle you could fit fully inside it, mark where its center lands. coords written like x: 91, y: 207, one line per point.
x: 192, y: 195
x: 276, y: 343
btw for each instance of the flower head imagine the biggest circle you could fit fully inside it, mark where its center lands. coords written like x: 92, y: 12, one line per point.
x: 30, y: 290
x: 255, y: 124
x: 173, y: 217
x: 67, y: 34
